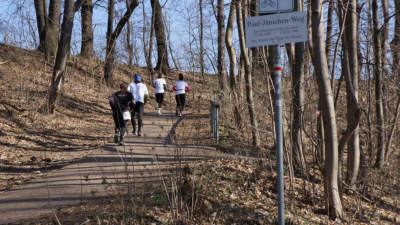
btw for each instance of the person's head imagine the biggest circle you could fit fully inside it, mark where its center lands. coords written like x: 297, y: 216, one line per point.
x: 138, y: 79
x: 123, y: 87
x: 180, y: 76
x: 160, y: 75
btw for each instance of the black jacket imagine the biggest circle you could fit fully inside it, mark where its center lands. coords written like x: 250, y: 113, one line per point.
x: 119, y: 101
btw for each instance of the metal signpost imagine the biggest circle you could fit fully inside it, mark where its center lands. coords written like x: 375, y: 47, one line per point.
x: 277, y: 28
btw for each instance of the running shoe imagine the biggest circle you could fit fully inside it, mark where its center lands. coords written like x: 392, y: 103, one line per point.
x: 116, y: 138
x: 122, y: 143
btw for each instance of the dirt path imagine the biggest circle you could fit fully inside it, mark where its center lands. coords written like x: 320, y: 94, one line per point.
x: 101, y: 172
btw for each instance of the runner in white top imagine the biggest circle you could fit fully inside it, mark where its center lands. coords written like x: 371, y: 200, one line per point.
x: 180, y: 87
x: 141, y: 95
x: 160, y: 84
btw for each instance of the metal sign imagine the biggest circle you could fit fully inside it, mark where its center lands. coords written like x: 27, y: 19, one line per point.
x: 275, y: 6
x: 276, y: 29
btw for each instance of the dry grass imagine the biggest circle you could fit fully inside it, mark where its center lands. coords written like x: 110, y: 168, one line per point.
x: 217, y: 192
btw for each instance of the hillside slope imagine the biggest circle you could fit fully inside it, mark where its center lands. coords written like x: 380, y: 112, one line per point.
x: 31, y: 142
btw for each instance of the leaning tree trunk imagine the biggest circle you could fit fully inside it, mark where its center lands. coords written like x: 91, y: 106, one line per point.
x: 53, y: 28
x: 221, y: 45
x: 248, y: 76
x: 333, y: 202
x: 87, y: 29
x: 162, y: 50
x: 112, y: 37
x: 41, y: 21
x: 380, y: 159
x: 62, y: 54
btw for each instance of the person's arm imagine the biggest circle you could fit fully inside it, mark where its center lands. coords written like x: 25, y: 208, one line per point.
x: 165, y: 85
x: 146, y: 95
x: 187, y: 88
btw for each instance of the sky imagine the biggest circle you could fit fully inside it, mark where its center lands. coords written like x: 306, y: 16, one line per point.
x: 18, y: 27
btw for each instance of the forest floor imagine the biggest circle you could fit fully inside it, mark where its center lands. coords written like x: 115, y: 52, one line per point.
x: 223, y: 191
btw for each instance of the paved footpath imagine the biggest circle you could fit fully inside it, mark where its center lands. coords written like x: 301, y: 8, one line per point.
x: 95, y: 175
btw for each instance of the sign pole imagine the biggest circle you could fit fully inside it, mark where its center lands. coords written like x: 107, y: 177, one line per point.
x: 278, y: 128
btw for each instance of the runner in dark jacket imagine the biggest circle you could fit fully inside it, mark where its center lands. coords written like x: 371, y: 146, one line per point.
x: 119, y: 102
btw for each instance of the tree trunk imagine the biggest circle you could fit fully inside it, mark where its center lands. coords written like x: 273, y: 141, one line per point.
x: 112, y: 37
x: 162, y: 54
x: 109, y: 61
x: 221, y: 45
x: 395, y: 49
x: 333, y: 202
x: 201, y: 53
x: 87, y: 30
x: 230, y: 47
x: 150, y: 48
x: 53, y: 28
x: 41, y: 21
x: 380, y: 159
x: 353, y: 109
x: 298, y: 101
x: 248, y: 76
x: 62, y: 54
x: 385, y: 46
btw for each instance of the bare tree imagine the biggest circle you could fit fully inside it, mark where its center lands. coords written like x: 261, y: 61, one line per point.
x: 129, y: 44
x: 230, y: 47
x: 112, y: 37
x: 62, y: 53
x: 201, y: 39
x: 162, y: 53
x: 87, y: 29
x: 333, y: 202
x: 353, y: 109
x: 380, y: 159
x: 41, y: 13
x: 395, y: 49
x: 221, y: 44
x: 298, y: 100
x: 53, y: 27
x: 248, y: 76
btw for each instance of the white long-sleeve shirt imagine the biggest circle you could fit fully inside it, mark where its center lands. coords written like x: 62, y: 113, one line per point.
x: 138, y: 91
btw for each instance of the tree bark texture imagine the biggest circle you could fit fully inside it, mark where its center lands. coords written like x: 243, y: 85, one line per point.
x: 162, y: 53
x: 353, y: 109
x: 333, y: 202
x: 298, y: 100
x: 380, y: 159
x: 221, y: 45
x: 62, y: 54
x: 112, y: 37
x: 248, y: 76
x: 201, y: 39
x: 229, y: 46
x: 87, y: 29
x: 41, y: 21
x: 53, y: 28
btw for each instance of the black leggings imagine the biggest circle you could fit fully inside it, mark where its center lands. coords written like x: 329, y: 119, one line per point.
x: 160, y: 99
x: 180, y: 102
x: 138, y: 110
x: 120, y: 124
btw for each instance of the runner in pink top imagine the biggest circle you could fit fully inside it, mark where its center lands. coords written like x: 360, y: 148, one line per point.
x: 180, y: 87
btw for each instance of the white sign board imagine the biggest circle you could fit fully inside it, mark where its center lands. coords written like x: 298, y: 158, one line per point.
x: 276, y: 29
x: 274, y: 6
